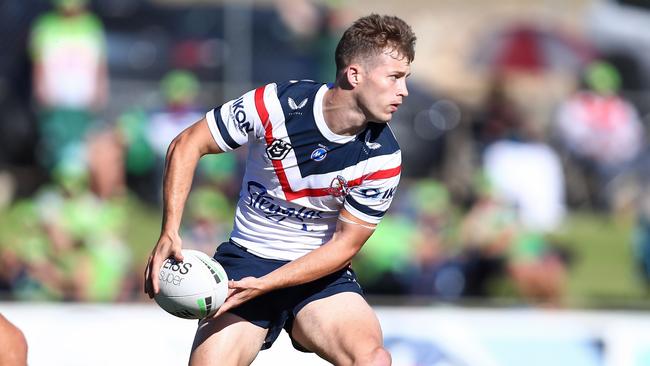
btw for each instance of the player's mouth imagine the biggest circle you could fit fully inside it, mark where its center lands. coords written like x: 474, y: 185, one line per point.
x: 394, y: 107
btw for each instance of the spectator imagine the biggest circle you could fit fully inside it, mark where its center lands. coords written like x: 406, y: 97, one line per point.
x: 635, y: 203
x: 13, y: 269
x: 436, y: 269
x: 147, y: 135
x: 527, y: 172
x: 600, y: 132
x: 70, y: 75
x: 208, y: 219
x: 486, y: 233
x: 497, y: 244
x: 499, y: 117
x: 77, y: 246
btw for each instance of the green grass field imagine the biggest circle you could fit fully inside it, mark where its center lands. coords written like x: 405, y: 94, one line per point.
x: 603, y: 273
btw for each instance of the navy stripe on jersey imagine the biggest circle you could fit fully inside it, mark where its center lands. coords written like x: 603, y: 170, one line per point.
x: 338, y: 156
x: 306, y: 138
x: 223, y: 130
x: 298, y: 87
x: 365, y: 209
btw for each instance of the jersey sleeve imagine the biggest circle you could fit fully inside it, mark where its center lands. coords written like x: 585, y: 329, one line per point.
x: 236, y: 122
x: 370, y: 200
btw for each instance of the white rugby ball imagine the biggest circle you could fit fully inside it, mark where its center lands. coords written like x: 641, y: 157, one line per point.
x: 194, y: 288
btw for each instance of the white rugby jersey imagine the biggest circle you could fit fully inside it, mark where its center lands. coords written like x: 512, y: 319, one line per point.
x: 299, y: 174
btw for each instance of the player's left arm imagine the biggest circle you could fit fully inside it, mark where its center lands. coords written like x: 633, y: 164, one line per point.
x: 350, y: 235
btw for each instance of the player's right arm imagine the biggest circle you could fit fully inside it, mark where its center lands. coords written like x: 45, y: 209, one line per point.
x: 223, y: 129
x: 183, y: 156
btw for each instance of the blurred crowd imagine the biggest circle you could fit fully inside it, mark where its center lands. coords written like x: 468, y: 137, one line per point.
x: 80, y: 189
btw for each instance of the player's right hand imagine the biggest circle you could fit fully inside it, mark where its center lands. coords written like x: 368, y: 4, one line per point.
x: 168, y: 246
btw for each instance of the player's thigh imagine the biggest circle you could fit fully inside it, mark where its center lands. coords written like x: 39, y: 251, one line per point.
x: 226, y: 340
x: 341, y: 328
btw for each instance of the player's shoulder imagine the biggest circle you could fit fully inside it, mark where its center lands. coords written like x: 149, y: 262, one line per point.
x: 297, y: 87
x: 296, y: 94
x: 381, y: 139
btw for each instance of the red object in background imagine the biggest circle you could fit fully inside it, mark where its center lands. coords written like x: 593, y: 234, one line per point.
x: 186, y: 54
x: 528, y: 48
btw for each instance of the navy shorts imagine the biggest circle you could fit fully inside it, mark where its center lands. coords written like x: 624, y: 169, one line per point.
x: 277, y: 309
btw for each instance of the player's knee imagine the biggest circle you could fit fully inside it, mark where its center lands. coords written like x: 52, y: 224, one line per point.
x: 14, y: 338
x: 21, y: 348
x: 378, y: 356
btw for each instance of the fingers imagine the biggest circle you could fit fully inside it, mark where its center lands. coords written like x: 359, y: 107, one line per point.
x: 151, y: 278
x: 229, y: 304
x: 151, y: 286
x: 147, y: 276
x: 165, y: 248
x: 239, y: 292
x: 155, y: 271
x: 219, y: 312
x: 178, y: 255
x: 222, y: 309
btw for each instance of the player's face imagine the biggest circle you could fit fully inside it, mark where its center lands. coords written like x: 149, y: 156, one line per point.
x: 384, y: 86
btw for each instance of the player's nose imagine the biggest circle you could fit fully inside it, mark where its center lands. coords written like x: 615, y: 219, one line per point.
x: 402, y: 89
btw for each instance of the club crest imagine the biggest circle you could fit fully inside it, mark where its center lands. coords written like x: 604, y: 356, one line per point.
x: 338, y: 187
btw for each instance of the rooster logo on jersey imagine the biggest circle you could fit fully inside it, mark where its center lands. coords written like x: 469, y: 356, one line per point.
x: 339, y: 187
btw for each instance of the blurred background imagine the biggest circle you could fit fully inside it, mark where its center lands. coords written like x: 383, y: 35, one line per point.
x: 526, y: 158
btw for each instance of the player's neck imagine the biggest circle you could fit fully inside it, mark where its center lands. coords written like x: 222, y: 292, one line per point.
x: 342, y: 113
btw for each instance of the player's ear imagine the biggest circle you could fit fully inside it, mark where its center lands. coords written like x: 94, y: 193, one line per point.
x: 353, y: 74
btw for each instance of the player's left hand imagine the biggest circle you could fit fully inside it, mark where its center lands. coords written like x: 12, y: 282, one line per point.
x: 239, y: 292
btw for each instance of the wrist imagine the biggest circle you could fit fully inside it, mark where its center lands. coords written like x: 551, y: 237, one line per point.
x: 265, y: 284
x: 172, y: 235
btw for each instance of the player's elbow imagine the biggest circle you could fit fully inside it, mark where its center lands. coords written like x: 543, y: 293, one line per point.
x: 195, y: 141
x: 346, y: 252
x: 180, y: 145
x: 349, y: 242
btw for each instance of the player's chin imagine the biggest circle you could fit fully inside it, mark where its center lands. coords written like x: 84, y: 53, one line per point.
x: 381, y: 117
x: 384, y: 118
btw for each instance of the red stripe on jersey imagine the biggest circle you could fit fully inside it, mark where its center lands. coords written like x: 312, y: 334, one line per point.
x: 379, y: 174
x: 268, y: 136
x: 290, y: 194
x: 385, y: 174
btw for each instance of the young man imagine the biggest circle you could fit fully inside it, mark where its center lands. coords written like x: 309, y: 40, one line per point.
x: 322, y: 169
